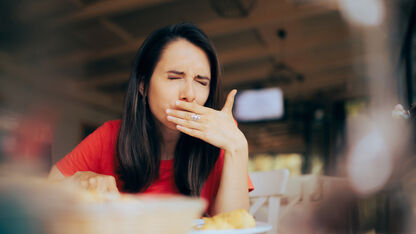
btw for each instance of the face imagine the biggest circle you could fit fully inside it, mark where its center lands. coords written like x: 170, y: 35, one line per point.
x: 182, y: 73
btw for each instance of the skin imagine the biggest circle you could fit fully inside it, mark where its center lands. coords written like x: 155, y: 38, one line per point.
x: 179, y: 88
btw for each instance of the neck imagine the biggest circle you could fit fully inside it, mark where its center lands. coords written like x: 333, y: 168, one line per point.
x: 170, y: 139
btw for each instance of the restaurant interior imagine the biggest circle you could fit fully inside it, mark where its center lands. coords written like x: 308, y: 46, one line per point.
x: 318, y: 85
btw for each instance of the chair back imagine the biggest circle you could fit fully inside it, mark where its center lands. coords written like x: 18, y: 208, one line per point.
x: 269, y: 187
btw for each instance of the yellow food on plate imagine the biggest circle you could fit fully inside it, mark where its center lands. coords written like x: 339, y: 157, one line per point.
x: 237, y: 219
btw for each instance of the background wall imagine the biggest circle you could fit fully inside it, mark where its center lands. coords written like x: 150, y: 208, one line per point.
x: 64, y: 113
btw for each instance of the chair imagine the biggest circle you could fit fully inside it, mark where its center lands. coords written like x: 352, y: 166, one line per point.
x: 269, y: 186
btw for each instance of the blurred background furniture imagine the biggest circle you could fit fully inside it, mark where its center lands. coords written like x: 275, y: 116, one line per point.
x: 269, y: 188
x: 315, y: 201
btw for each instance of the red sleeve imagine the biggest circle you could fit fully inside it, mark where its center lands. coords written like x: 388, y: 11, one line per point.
x: 250, y: 184
x: 87, y: 155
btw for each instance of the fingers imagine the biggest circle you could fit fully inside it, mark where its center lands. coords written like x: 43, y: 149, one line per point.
x: 106, y: 184
x: 192, y: 132
x: 185, y: 123
x: 191, y: 107
x: 112, y: 185
x: 184, y: 115
x: 95, y: 182
x: 228, y: 106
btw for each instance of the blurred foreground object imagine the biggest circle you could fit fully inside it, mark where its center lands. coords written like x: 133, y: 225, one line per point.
x: 400, y: 113
x: 317, y: 204
x: 34, y: 205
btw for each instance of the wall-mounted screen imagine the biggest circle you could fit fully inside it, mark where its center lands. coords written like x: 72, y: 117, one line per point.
x: 259, y: 105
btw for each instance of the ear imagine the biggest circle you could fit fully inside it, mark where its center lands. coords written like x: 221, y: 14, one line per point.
x: 141, y: 89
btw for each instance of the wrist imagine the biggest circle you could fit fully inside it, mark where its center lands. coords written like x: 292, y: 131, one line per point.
x: 238, y: 147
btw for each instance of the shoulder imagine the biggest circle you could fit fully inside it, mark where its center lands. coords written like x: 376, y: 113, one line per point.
x: 107, y: 131
x: 111, y: 126
x: 112, y: 123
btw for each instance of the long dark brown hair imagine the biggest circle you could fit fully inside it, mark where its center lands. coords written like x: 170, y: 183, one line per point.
x: 138, y: 144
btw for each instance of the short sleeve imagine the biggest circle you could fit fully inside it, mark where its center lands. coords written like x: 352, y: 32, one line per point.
x: 86, y: 156
x: 250, y: 184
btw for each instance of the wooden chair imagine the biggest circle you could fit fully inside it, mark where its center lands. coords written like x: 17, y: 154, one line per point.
x: 269, y: 187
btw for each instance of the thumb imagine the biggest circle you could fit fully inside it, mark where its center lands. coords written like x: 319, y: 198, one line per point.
x: 228, y: 106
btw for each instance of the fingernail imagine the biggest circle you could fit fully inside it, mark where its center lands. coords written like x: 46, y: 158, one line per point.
x: 168, y: 111
x: 178, y: 102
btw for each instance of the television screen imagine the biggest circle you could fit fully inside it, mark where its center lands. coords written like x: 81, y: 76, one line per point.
x: 259, y: 105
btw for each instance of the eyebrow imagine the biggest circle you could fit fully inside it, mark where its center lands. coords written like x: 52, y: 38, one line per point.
x: 176, y: 72
x: 183, y: 73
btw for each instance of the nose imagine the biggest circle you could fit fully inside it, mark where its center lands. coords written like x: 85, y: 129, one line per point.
x: 187, y: 92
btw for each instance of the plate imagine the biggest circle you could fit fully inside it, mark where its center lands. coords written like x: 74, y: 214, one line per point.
x: 260, y: 227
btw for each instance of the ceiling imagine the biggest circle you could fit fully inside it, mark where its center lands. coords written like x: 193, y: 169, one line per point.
x: 87, y: 46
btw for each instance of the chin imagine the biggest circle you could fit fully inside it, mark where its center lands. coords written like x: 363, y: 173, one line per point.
x: 165, y: 124
x: 171, y: 126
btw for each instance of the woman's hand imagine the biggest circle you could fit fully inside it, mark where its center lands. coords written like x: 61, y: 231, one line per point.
x: 94, y: 182
x: 215, y: 127
x: 219, y: 129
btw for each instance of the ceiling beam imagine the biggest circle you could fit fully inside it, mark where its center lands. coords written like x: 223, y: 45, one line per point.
x: 295, y: 51
x: 110, y: 79
x: 302, y: 64
x: 34, y: 10
x: 312, y: 62
x: 263, y: 76
x: 55, y: 84
x: 114, y: 28
x: 268, y: 12
x: 318, y: 83
x: 344, y: 73
x: 249, y: 74
x: 305, y: 66
x: 106, y: 8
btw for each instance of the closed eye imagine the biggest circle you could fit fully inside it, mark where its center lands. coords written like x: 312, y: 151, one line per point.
x: 203, y: 83
x: 174, y: 78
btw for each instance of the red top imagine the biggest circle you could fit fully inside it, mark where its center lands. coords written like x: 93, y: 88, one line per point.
x: 97, y: 153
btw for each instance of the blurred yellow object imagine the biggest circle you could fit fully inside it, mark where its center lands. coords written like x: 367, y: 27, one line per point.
x: 237, y: 219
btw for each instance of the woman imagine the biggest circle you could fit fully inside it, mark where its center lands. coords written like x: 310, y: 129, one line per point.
x: 171, y: 131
